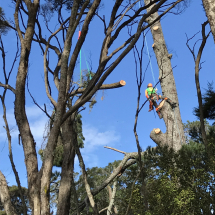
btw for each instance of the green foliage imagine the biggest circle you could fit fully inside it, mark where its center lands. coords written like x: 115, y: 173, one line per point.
x: 193, y: 131
x: 78, y: 129
x: 58, y: 152
x: 47, y: 9
x: 175, y: 183
x: 208, y: 103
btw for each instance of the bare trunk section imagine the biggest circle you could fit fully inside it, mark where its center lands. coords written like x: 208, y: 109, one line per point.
x: 174, y: 135
x: 5, y: 196
x: 69, y: 139
x: 112, y: 197
x: 209, y: 6
x: 20, y: 112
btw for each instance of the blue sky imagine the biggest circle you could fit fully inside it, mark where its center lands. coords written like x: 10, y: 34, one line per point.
x: 111, y: 121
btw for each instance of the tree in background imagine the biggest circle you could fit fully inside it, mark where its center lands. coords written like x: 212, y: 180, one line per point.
x: 3, y: 22
x: 208, y: 103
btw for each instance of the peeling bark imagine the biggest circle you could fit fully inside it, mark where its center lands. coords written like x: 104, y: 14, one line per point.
x: 174, y: 135
x: 209, y: 6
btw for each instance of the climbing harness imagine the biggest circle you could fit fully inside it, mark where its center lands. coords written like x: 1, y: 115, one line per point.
x: 79, y: 34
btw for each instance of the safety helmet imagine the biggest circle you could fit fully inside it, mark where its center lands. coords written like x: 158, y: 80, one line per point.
x: 149, y: 85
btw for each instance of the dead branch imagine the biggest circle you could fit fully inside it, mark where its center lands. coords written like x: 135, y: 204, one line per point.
x: 87, y: 186
x: 114, y: 149
x: 104, y: 209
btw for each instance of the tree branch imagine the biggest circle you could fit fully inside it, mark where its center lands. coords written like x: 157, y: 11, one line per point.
x: 103, y: 87
x: 197, y: 61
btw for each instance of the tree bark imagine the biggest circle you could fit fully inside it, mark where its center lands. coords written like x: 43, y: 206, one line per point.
x: 174, y: 135
x: 69, y: 138
x: 111, y: 198
x: 20, y: 111
x: 5, y: 196
x: 209, y: 6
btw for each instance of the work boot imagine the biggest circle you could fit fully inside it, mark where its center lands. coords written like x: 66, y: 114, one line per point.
x: 159, y: 113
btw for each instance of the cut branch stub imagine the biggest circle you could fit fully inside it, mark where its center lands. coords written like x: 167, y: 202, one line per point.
x: 157, y: 130
x: 153, y: 45
x: 155, y: 28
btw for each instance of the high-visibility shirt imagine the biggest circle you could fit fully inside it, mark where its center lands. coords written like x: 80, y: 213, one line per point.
x: 149, y: 91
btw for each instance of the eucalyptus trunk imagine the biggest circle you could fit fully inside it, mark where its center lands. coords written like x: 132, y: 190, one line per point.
x: 174, y: 136
x: 209, y: 6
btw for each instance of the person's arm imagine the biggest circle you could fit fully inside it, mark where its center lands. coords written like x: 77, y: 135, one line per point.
x: 146, y: 94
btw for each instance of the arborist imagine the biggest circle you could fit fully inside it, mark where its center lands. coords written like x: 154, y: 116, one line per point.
x: 152, y: 96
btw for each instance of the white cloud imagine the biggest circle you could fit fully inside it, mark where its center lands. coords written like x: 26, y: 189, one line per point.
x: 37, y: 120
x: 94, y: 140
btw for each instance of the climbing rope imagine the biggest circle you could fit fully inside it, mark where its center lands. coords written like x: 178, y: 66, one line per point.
x: 79, y: 34
x: 150, y: 62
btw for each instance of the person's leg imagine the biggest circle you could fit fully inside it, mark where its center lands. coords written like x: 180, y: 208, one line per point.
x: 172, y: 104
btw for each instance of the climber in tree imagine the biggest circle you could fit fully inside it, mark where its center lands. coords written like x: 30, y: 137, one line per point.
x: 153, y: 97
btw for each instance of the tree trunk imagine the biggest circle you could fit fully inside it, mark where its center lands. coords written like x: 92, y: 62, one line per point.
x: 5, y: 196
x: 20, y: 111
x: 209, y: 6
x: 174, y: 135
x: 69, y: 138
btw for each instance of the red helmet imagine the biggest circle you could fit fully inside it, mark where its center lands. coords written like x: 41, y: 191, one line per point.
x: 149, y: 85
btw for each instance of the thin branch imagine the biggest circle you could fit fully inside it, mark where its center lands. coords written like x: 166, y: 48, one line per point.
x: 7, y: 86
x: 43, y: 110
x: 11, y: 154
x: 198, y: 64
x: 87, y: 186
x: 107, y: 147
